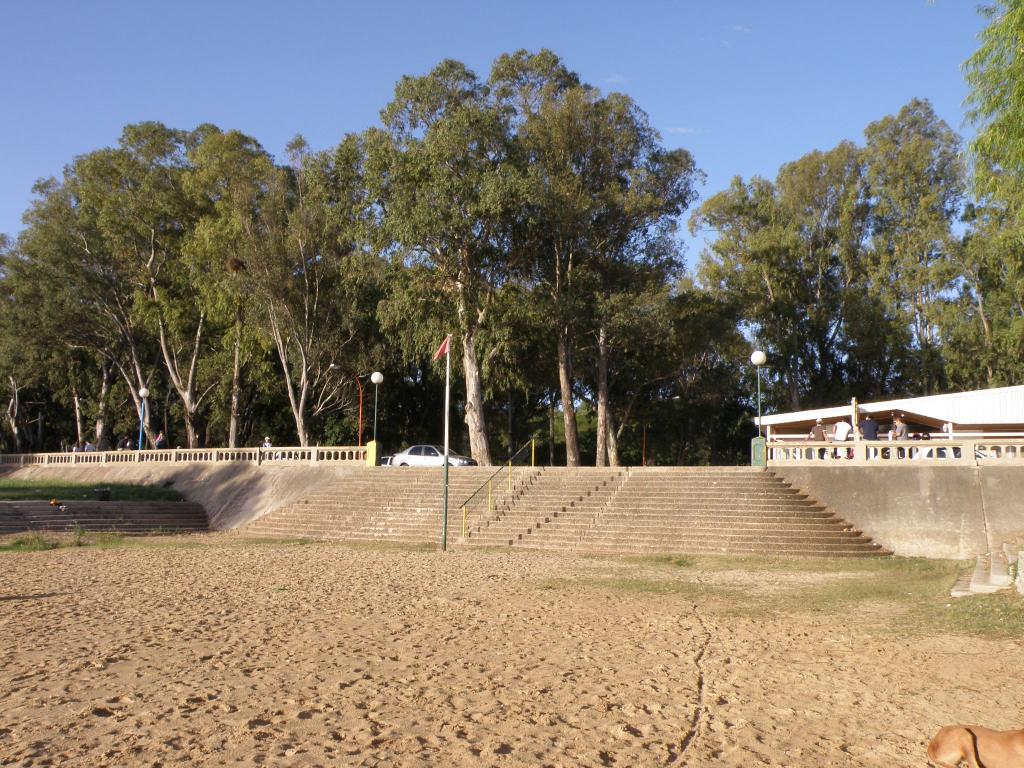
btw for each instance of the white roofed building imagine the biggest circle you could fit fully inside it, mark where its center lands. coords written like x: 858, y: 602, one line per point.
x: 997, y: 412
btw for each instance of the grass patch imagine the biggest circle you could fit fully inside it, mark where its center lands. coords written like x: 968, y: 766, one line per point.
x: 29, y: 542
x: 893, y: 595
x: 108, y: 540
x: 34, y: 490
x: 688, y: 589
x: 676, y: 561
x: 998, y: 615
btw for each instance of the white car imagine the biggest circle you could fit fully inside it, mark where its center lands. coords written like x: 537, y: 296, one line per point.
x: 429, y: 456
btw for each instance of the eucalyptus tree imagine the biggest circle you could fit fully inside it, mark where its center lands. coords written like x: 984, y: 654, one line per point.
x: 995, y: 102
x: 230, y: 175
x: 789, y: 255
x: 443, y: 180
x: 313, y: 275
x: 598, y: 185
x: 62, y: 262
x: 916, y: 178
x: 130, y: 218
x: 636, y: 257
x: 982, y: 322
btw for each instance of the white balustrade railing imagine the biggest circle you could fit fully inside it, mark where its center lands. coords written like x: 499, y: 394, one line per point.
x: 900, y: 452
x: 285, y: 455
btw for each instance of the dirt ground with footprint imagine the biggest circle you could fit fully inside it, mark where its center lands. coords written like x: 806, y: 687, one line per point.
x: 219, y: 651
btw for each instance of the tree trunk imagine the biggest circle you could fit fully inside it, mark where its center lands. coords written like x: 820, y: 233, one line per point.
x: 511, y: 443
x: 76, y: 401
x: 13, y: 404
x: 236, y: 370
x: 572, y: 441
x: 478, y: 446
x: 39, y: 430
x: 102, y: 405
x: 551, y: 430
x: 987, y: 331
x: 297, y: 400
x: 613, y: 441
x: 602, y: 398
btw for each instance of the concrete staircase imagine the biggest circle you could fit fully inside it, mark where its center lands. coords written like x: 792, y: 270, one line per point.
x: 553, y: 510
x: 131, y: 518
x: 399, y: 504
x: 736, y: 510
x: 992, y: 572
x: 697, y: 510
x: 712, y: 510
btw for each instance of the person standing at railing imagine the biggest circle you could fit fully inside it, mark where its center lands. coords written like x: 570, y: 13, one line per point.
x: 899, y: 432
x: 266, y: 442
x: 818, y: 435
x: 89, y: 447
x: 869, y: 428
x: 869, y: 431
x: 840, y: 433
x: 161, y: 441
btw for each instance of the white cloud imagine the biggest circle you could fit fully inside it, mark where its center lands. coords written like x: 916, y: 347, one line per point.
x: 615, y: 79
x: 683, y: 130
x: 739, y: 28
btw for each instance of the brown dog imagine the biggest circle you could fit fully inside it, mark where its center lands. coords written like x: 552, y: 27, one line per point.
x: 978, y: 747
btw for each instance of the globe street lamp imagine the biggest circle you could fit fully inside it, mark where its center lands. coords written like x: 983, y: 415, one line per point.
x: 143, y: 394
x: 758, y: 449
x: 758, y: 359
x: 376, y: 377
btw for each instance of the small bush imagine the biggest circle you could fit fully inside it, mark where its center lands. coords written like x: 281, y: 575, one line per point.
x: 29, y: 542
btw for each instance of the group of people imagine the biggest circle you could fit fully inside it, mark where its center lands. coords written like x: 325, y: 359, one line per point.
x: 127, y: 444
x: 124, y: 444
x: 868, y: 429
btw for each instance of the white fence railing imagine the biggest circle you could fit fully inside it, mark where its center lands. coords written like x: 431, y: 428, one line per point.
x: 317, y: 455
x: 902, y: 452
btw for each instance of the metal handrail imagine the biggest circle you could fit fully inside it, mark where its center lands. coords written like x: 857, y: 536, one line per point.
x: 507, y: 465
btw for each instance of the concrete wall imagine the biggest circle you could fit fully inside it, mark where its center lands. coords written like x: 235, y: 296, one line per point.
x: 953, y: 512
x: 233, y: 494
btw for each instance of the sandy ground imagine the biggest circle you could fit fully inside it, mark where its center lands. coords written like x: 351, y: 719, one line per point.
x: 274, y: 654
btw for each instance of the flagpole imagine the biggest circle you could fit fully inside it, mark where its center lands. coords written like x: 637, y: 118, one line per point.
x: 447, y: 391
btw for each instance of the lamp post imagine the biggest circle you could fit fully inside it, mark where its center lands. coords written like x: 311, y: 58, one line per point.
x: 758, y: 359
x: 758, y: 452
x: 143, y: 393
x: 376, y: 377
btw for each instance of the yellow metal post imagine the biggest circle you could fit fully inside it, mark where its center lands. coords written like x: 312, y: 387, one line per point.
x: 533, y: 453
x: 510, y: 474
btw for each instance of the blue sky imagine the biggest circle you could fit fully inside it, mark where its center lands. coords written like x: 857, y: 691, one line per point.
x: 745, y: 85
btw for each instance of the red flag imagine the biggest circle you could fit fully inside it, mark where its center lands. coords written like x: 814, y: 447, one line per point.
x: 443, y: 349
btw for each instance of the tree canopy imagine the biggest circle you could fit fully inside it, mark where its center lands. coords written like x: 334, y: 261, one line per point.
x: 535, y: 218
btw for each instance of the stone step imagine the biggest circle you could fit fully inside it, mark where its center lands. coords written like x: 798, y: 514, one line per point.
x: 962, y: 586
x: 724, y: 508
x: 999, y: 569
x: 740, y: 549
x: 980, y: 578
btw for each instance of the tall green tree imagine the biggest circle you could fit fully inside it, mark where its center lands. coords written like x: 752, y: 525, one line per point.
x: 441, y: 174
x: 600, y: 188
x: 230, y: 176
x: 995, y: 76
x: 916, y: 178
x: 314, y: 276
x: 789, y: 255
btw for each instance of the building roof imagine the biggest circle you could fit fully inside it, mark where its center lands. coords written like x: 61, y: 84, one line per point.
x: 997, y: 406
